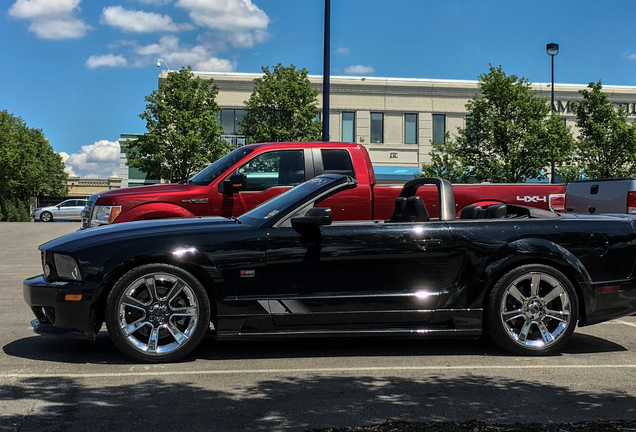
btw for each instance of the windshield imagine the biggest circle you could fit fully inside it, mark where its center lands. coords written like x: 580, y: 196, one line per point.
x: 214, y: 170
x: 291, y: 199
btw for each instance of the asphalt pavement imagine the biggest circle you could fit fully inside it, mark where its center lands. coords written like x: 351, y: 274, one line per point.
x: 57, y: 385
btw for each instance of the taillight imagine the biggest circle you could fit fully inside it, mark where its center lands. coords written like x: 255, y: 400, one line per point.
x: 631, y: 202
x: 557, y: 203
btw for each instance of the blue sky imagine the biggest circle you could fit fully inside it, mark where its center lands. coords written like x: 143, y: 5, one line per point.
x: 80, y: 69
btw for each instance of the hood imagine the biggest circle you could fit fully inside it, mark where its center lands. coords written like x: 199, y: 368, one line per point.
x: 151, y: 192
x: 135, y: 230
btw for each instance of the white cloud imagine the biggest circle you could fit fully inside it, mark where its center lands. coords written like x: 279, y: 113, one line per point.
x: 359, y: 69
x: 139, y: 21
x: 99, y: 160
x: 109, y: 60
x: 632, y: 57
x: 51, y: 19
x: 240, y: 22
x: 176, y: 55
x: 343, y: 51
x: 155, y: 2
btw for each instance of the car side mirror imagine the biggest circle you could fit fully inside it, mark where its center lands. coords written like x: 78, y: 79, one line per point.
x: 236, y: 182
x: 309, y: 225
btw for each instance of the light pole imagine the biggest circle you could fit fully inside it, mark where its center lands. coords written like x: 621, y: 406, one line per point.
x: 552, y: 49
x: 325, y: 72
x: 159, y: 61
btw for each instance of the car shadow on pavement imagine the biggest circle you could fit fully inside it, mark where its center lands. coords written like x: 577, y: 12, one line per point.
x: 293, y: 402
x: 103, y: 351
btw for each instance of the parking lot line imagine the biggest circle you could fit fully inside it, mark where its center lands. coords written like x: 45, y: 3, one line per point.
x: 625, y: 322
x: 317, y: 370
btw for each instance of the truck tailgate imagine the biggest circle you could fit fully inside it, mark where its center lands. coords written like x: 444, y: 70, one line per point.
x: 598, y: 196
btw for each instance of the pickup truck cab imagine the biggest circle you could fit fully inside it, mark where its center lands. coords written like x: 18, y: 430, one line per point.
x: 253, y: 174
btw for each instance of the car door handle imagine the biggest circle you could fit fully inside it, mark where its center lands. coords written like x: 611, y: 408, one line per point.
x: 425, y: 244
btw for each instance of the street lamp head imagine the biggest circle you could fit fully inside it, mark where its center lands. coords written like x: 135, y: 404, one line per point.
x: 552, y: 49
x: 159, y: 61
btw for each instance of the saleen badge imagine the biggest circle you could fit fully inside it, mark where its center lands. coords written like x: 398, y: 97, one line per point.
x: 248, y: 273
x: 195, y: 201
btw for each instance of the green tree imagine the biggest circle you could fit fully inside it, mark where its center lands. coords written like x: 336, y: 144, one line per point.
x: 606, y: 145
x: 282, y: 107
x: 509, y: 136
x: 183, y: 131
x: 28, y: 167
x: 445, y: 163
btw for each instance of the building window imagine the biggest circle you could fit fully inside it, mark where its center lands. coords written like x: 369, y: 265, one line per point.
x: 439, y: 128
x: 377, y: 127
x: 229, y: 119
x: 348, y: 127
x: 410, y: 128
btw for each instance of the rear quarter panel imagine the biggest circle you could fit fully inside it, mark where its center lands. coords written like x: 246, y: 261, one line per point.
x: 590, y: 252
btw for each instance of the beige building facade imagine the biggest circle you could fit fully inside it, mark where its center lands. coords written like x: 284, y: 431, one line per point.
x: 395, y: 118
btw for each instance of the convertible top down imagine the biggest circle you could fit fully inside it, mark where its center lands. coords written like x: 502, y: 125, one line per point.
x: 523, y: 276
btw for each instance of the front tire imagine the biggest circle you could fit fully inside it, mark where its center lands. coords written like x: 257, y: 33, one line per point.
x: 532, y: 310
x: 157, y: 313
x: 46, y: 217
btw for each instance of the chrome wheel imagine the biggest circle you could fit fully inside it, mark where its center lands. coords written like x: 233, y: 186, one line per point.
x: 157, y: 313
x: 46, y: 217
x: 533, y: 310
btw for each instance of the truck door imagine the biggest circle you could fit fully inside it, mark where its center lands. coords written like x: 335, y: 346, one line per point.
x: 352, y: 204
x: 268, y: 174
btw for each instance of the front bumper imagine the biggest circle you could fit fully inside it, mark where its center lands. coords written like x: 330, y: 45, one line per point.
x: 55, y: 316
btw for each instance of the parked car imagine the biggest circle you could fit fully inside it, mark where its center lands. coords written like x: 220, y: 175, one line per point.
x: 252, y: 174
x: 524, y: 276
x: 66, y: 210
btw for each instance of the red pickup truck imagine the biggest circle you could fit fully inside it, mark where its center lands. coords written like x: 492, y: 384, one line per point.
x: 255, y: 173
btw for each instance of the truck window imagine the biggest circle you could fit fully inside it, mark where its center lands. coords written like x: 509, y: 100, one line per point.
x: 337, y: 161
x: 220, y: 166
x: 276, y: 168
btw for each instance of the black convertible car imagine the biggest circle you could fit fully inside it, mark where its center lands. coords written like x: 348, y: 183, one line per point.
x: 523, y: 276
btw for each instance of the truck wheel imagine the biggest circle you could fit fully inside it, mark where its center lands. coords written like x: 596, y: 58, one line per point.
x: 46, y: 217
x: 532, y: 310
x: 157, y: 313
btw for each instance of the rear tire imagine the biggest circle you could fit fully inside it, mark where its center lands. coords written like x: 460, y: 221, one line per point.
x: 532, y: 310
x: 157, y: 313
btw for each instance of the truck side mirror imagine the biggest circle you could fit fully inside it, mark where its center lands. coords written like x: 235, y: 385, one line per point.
x: 236, y: 182
x: 309, y: 225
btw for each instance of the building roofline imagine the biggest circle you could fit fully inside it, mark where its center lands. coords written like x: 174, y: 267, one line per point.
x: 358, y: 78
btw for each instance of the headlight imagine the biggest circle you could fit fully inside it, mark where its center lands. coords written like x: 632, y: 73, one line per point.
x: 60, y: 267
x: 103, y: 215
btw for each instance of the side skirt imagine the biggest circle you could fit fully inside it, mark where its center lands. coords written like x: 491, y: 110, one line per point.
x: 387, y: 333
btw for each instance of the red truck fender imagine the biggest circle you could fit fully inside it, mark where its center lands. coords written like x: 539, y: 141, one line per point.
x: 155, y: 210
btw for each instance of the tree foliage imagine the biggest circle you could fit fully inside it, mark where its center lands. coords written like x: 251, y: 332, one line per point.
x: 445, y: 163
x: 282, y: 107
x: 28, y: 167
x: 606, y: 145
x: 183, y: 131
x: 509, y: 136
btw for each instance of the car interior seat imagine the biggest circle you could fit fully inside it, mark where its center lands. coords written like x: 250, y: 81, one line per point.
x: 416, y: 210
x: 411, y: 209
x: 496, y: 211
x: 399, y: 209
x: 470, y: 212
